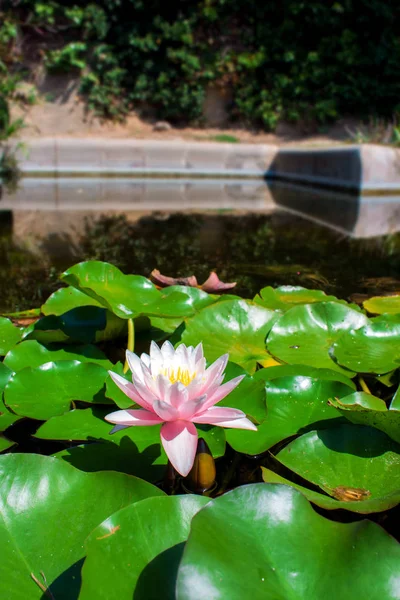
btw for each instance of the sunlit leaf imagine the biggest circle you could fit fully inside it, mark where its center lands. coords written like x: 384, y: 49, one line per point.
x: 266, y: 542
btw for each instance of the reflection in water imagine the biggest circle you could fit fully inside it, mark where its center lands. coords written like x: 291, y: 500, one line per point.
x: 271, y: 245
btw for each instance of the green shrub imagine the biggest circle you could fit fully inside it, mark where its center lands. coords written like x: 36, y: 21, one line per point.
x: 294, y: 60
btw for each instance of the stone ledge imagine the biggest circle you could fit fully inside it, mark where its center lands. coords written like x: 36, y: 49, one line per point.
x: 356, y: 169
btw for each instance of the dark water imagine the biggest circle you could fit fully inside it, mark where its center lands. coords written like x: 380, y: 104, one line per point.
x: 255, y: 250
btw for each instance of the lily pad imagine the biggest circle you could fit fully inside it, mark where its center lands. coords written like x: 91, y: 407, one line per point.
x: 250, y: 543
x: 127, y: 296
x: 48, y: 508
x: 379, y: 305
x: 305, y: 334
x: 364, y: 409
x: 347, y: 458
x: 5, y: 444
x: 125, y: 559
x: 196, y: 298
x: 33, y: 354
x: 65, y: 299
x: 286, y: 296
x: 46, y: 391
x: 5, y: 374
x: 238, y: 327
x: 9, y: 335
x: 364, y: 506
x: 84, y: 324
x: 372, y: 348
x: 297, y: 401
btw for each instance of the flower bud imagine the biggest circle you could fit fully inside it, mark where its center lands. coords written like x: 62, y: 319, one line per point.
x: 201, y: 479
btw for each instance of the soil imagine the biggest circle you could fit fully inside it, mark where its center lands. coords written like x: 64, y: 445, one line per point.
x: 58, y: 111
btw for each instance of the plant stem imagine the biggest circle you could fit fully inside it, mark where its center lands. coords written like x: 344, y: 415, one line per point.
x: 364, y: 385
x: 131, y: 341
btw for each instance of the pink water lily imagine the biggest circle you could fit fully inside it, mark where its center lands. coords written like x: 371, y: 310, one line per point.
x: 173, y: 387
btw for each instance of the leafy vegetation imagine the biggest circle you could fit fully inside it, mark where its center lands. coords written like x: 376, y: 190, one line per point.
x: 320, y: 383
x: 309, y: 61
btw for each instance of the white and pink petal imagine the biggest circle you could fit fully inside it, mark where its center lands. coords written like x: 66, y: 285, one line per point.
x: 130, y: 390
x: 224, y: 417
x: 133, y: 417
x: 179, y: 440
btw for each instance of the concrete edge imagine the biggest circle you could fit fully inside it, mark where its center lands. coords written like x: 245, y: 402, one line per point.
x: 352, y: 168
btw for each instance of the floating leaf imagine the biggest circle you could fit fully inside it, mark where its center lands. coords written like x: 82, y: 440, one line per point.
x: 126, y: 559
x: 48, y: 508
x: 305, y: 334
x: 127, y: 296
x: 33, y: 354
x: 65, y: 299
x: 248, y: 396
x: 250, y: 543
x: 348, y: 456
x: 5, y: 444
x: 364, y: 409
x: 365, y: 506
x: 7, y: 418
x: 197, y: 299
x: 9, y: 335
x: 379, y: 305
x: 286, y: 296
x: 5, y: 374
x: 238, y: 327
x: 46, y: 391
x: 372, y: 348
x: 297, y: 400
x: 84, y: 324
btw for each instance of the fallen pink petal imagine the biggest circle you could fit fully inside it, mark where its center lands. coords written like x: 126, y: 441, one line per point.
x: 212, y: 285
x: 174, y: 388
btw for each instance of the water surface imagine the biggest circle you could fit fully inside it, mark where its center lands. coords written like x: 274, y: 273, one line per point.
x: 247, y: 231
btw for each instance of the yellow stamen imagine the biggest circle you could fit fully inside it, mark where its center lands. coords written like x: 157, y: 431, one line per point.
x: 182, y: 375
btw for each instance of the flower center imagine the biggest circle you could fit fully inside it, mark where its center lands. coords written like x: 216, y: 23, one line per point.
x: 182, y: 375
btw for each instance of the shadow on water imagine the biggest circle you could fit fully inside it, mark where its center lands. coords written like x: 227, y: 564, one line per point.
x: 286, y: 240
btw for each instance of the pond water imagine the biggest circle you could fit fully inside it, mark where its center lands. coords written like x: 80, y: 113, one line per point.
x: 249, y: 232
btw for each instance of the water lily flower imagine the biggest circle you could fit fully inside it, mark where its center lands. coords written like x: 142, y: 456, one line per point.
x: 213, y: 285
x: 174, y: 388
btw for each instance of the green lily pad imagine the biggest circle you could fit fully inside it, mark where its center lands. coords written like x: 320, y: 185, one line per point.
x: 127, y: 296
x: 65, y: 299
x: 379, y: 305
x: 9, y: 335
x: 364, y: 507
x: 248, y: 396
x: 250, y: 543
x: 5, y: 374
x: 372, y: 348
x: 347, y: 458
x: 297, y: 401
x: 84, y: 324
x: 5, y: 444
x: 238, y: 327
x: 364, y: 409
x: 125, y: 559
x: 196, y: 298
x: 395, y: 404
x: 305, y: 334
x: 46, y: 330
x: 47, y: 391
x: 48, y: 508
x: 7, y: 418
x: 286, y: 296
x: 33, y: 354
